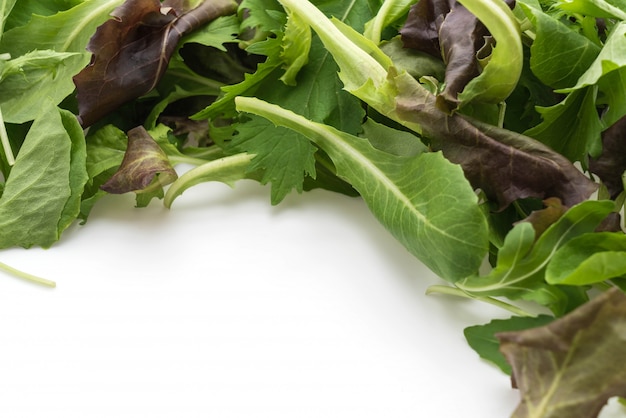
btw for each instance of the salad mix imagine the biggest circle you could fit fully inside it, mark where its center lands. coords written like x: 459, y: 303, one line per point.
x: 487, y: 136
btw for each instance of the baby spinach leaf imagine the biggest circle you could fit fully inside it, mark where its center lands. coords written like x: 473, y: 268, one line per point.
x: 589, y: 258
x: 131, y: 52
x: 522, y: 261
x: 558, y: 55
x: 424, y: 201
x: 483, y: 340
x: 610, y: 58
x: 571, y: 127
x: 572, y: 366
x: 42, y: 193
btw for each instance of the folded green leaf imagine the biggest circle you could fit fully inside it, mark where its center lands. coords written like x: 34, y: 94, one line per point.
x: 589, y: 258
x: 424, y: 201
x: 572, y: 366
x: 145, y: 166
x: 42, y: 193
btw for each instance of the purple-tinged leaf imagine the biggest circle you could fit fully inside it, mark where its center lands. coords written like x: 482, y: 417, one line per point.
x: 572, y: 366
x: 132, y: 51
x: 145, y: 166
x: 447, y: 30
x: 611, y: 164
x: 506, y: 165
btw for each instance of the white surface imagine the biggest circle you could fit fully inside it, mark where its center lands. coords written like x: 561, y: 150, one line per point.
x: 227, y: 307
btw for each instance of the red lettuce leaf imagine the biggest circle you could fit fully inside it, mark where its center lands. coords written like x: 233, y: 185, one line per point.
x: 506, y: 165
x: 447, y: 30
x: 132, y: 51
x: 572, y: 366
x: 611, y: 164
x: 145, y: 166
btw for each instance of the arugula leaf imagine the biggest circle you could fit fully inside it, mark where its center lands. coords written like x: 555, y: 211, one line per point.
x: 483, y: 340
x: 571, y: 127
x: 424, y: 201
x: 558, y: 55
x: 42, y: 193
x: 570, y: 367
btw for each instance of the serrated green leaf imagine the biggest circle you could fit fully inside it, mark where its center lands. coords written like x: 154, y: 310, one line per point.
x: 283, y: 158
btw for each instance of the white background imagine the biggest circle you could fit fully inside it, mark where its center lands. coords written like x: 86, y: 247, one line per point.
x: 225, y: 306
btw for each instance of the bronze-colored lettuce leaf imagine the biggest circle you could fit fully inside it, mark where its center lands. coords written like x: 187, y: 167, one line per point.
x: 572, y: 366
x: 132, y: 51
x: 145, y: 166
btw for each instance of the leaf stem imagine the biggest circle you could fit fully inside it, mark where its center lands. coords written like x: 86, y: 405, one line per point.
x: 26, y: 276
x: 455, y: 291
x: 6, y: 145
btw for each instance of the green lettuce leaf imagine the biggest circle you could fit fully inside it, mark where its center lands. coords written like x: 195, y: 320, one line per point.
x: 42, y: 193
x: 423, y: 200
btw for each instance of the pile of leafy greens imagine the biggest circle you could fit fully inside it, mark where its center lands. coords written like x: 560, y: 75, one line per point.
x: 488, y: 136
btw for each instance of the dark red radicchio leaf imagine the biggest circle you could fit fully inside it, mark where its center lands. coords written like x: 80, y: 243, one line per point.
x: 145, y: 166
x: 132, y: 51
x: 447, y: 30
x: 572, y: 366
x: 506, y: 165
x: 611, y: 164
